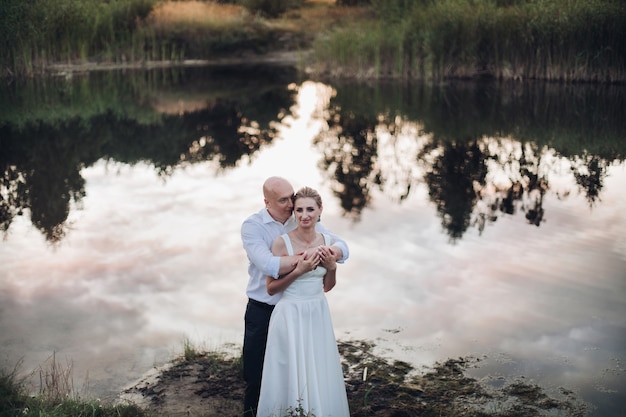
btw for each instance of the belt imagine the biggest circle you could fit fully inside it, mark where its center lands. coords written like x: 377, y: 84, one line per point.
x: 261, y: 305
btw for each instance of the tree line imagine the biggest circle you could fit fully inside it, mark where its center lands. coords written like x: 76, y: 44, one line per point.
x: 557, y: 40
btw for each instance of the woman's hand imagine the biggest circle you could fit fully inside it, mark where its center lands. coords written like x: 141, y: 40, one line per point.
x: 320, y: 255
x: 327, y: 258
x: 309, y: 260
x: 305, y: 262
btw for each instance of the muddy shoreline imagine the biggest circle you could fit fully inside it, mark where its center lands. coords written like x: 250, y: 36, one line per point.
x: 211, y: 385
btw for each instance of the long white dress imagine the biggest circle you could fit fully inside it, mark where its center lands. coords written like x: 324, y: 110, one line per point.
x: 302, y: 368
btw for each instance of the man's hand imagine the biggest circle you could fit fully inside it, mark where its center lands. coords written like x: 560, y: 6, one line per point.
x: 325, y: 254
x: 308, y: 261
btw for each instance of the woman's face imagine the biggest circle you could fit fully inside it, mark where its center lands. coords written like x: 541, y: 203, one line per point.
x: 306, y: 211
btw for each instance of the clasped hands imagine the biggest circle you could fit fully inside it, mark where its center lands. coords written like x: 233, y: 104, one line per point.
x: 313, y: 257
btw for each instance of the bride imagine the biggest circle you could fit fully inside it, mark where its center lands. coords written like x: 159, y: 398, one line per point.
x: 302, y: 368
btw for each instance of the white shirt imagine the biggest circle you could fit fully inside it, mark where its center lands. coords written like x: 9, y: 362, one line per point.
x: 258, y: 232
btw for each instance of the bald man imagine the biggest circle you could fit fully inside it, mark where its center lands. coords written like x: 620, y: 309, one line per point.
x: 257, y: 234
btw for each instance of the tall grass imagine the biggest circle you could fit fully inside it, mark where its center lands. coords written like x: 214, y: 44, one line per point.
x: 40, y: 31
x: 55, y: 380
x: 56, y: 398
x: 559, y: 40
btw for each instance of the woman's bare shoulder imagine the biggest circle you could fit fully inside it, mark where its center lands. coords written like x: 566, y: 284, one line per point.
x: 279, y: 247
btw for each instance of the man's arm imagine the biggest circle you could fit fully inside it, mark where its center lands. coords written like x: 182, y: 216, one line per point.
x: 259, y: 253
x: 303, y: 265
x: 304, y: 262
x: 329, y: 262
x: 339, y: 246
x: 257, y: 249
x: 275, y: 286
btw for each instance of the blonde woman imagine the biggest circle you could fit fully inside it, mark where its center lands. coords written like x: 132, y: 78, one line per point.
x: 302, y: 368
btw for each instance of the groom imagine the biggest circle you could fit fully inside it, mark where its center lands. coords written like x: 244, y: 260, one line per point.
x: 258, y: 232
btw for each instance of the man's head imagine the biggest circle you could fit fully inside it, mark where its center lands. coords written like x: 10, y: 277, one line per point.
x: 277, y: 194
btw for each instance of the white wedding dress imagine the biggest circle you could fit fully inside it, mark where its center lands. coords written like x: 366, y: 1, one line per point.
x: 302, y: 368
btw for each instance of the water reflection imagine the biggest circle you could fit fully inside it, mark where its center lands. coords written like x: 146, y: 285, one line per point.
x: 139, y: 118
x: 42, y: 155
x: 469, y: 133
x: 144, y: 193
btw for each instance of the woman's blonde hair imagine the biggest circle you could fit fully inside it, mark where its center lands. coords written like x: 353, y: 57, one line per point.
x: 308, y: 192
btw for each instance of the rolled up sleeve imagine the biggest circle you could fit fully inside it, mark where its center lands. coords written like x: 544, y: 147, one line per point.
x: 337, y: 241
x: 257, y: 243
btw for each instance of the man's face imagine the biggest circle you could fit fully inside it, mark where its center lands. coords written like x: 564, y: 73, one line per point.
x: 278, y: 202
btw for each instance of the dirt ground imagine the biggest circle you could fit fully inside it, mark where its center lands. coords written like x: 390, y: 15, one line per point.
x: 211, y: 385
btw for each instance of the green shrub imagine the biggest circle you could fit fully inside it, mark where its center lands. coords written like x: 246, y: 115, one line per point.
x: 12, y: 395
x: 271, y: 8
x: 352, y: 3
x: 393, y: 10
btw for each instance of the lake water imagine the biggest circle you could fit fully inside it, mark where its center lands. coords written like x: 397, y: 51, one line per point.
x: 482, y: 219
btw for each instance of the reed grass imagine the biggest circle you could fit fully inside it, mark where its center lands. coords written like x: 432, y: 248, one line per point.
x: 190, y: 350
x: 55, y: 380
x: 42, y: 31
x: 557, y: 40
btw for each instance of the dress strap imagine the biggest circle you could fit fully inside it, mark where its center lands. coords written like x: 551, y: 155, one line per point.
x: 287, y: 243
x: 327, y: 239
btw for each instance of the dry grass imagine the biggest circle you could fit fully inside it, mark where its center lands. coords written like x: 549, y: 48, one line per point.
x: 55, y: 379
x: 197, y: 14
x: 318, y: 16
x: 314, y: 17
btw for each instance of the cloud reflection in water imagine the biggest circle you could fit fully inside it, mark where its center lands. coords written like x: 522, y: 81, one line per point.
x: 149, y: 261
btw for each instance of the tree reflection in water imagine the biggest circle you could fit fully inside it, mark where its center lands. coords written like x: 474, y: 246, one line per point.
x: 473, y: 167
x: 590, y: 172
x: 41, y: 160
x: 482, y: 152
x: 350, y: 151
x: 453, y: 181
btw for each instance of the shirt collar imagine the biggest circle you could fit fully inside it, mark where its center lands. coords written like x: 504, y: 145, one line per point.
x: 267, y: 218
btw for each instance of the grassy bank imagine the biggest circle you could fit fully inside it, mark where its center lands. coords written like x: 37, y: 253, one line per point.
x: 210, y: 384
x: 43, y: 32
x: 55, y: 398
x: 564, y: 40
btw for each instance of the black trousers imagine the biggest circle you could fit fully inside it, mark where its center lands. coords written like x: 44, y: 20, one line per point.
x: 257, y: 320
